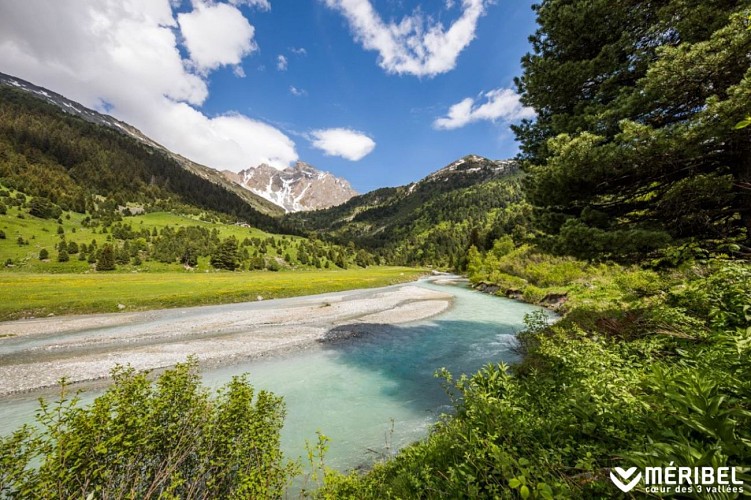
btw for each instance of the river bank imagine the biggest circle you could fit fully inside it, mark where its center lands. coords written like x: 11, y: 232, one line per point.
x: 36, y: 353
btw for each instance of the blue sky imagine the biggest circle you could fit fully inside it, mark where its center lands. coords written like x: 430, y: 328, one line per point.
x: 380, y: 92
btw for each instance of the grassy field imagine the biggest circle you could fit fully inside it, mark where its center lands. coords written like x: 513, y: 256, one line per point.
x: 43, y: 233
x: 27, y: 295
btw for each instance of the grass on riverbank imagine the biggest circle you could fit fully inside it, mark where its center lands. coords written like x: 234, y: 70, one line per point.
x: 34, y: 295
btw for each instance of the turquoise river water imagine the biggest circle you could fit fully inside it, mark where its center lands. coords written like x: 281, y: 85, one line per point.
x: 373, y: 393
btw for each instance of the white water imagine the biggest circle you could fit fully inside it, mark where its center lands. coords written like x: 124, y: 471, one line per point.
x: 373, y: 393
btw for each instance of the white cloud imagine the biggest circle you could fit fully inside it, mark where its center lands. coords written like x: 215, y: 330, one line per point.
x: 259, y: 4
x: 297, y: 92
x: 416, y: 45
x: 125, y: 53
x: 499, y: 104
x: 347, y: 143
x: 299, y: 51
x: 281, y: 63
x: 216, y: 35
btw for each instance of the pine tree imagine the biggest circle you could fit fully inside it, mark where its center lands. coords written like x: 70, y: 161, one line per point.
x: 226, y: 255
x: 634, y: 144
x: 106, y: 260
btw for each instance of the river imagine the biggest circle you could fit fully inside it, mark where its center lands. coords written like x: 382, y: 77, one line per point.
x: 370, y: 393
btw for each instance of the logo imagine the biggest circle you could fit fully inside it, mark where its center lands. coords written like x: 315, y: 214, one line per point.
x: 680, y: 480
x: 625, y: 474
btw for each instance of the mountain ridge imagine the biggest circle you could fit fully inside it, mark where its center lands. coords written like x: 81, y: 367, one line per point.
x: 74, y: 108
x: 440, y: 215
x: 300, y: 187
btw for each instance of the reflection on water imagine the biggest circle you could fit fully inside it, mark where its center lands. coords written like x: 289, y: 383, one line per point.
x: 376, y: 391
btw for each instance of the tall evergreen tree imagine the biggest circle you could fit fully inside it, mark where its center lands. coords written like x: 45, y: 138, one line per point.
x: 226, y: 255
x: 106, y: 260
x: 635, y: 141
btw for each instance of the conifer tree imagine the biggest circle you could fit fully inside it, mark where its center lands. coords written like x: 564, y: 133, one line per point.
x: 106, y: 260
x: 635, y: 144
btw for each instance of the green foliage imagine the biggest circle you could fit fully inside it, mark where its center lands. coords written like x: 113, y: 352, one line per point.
x: 62, y: 256
x: 44, y: 254
x: 645, y: 369
x: 634, y: 145
x: 432, y: 222
x: 168, y: 439
x: 44, y: 209
x: 106, y: 260
x: 62, y: 160
x: 225, y: 256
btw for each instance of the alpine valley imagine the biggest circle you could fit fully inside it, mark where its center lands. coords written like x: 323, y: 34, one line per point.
x: 621, y: 229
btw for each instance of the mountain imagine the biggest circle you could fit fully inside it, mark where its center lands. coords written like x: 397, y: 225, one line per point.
x: 433, y: 221
x: 83, y: 161
x: 75, y: 109
x: 297, y: 188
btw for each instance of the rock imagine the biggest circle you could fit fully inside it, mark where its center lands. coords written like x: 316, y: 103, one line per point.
x: 487, y: 288
x: 554, y: 301
x: 512, y: 293
x: 259, y: 298
x: 121, y: 306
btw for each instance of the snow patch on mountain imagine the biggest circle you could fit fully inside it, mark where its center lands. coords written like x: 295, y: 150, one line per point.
x: 297, y: 188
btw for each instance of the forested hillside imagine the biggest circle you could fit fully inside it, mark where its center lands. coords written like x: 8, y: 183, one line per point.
x: 431, y: 222
x: 75, y: 164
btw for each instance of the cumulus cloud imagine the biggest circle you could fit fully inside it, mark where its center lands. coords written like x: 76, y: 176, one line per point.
x: 299, y: 51
x: 126, y: 54
x: 498, y: 104
x: 347, y: 143
x: 259, y: 4
x: 281, y: 63
x: 297, y: 92
x: 416, y: 45
x: 216, y: 35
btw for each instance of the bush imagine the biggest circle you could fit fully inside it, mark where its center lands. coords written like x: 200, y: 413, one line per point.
x: 168, y: 439
x: 44, y: 254
x: 43, y: 208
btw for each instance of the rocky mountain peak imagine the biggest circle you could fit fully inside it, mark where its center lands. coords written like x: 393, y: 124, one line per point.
x: 296, y: 188
x: 474, y: 165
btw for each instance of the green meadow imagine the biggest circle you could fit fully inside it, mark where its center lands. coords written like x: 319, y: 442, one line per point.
x: 34, y: 294
x: 34, y: 287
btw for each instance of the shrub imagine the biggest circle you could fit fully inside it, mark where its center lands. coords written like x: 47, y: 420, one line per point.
x: 168, y: 439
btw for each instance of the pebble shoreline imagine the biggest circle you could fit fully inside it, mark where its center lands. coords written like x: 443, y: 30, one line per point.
x: 85, y: 348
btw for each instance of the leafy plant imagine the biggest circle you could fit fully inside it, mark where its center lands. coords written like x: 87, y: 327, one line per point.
x: 167, y: 439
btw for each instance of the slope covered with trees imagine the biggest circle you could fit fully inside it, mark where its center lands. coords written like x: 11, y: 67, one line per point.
x: 431, y: 222
x: 48, y: 153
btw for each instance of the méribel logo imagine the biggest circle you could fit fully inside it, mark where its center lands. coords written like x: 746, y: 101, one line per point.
x: 621, y: 480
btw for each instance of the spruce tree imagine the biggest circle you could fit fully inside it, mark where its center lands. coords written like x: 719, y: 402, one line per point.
x: 634, y: 144
x: 226, y: 255
x: 106, y: 260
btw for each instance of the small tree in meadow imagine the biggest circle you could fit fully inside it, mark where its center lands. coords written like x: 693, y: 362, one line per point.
x: 106, y: 260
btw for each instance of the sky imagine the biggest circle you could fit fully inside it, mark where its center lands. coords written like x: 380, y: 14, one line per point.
x: 380, y: 92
